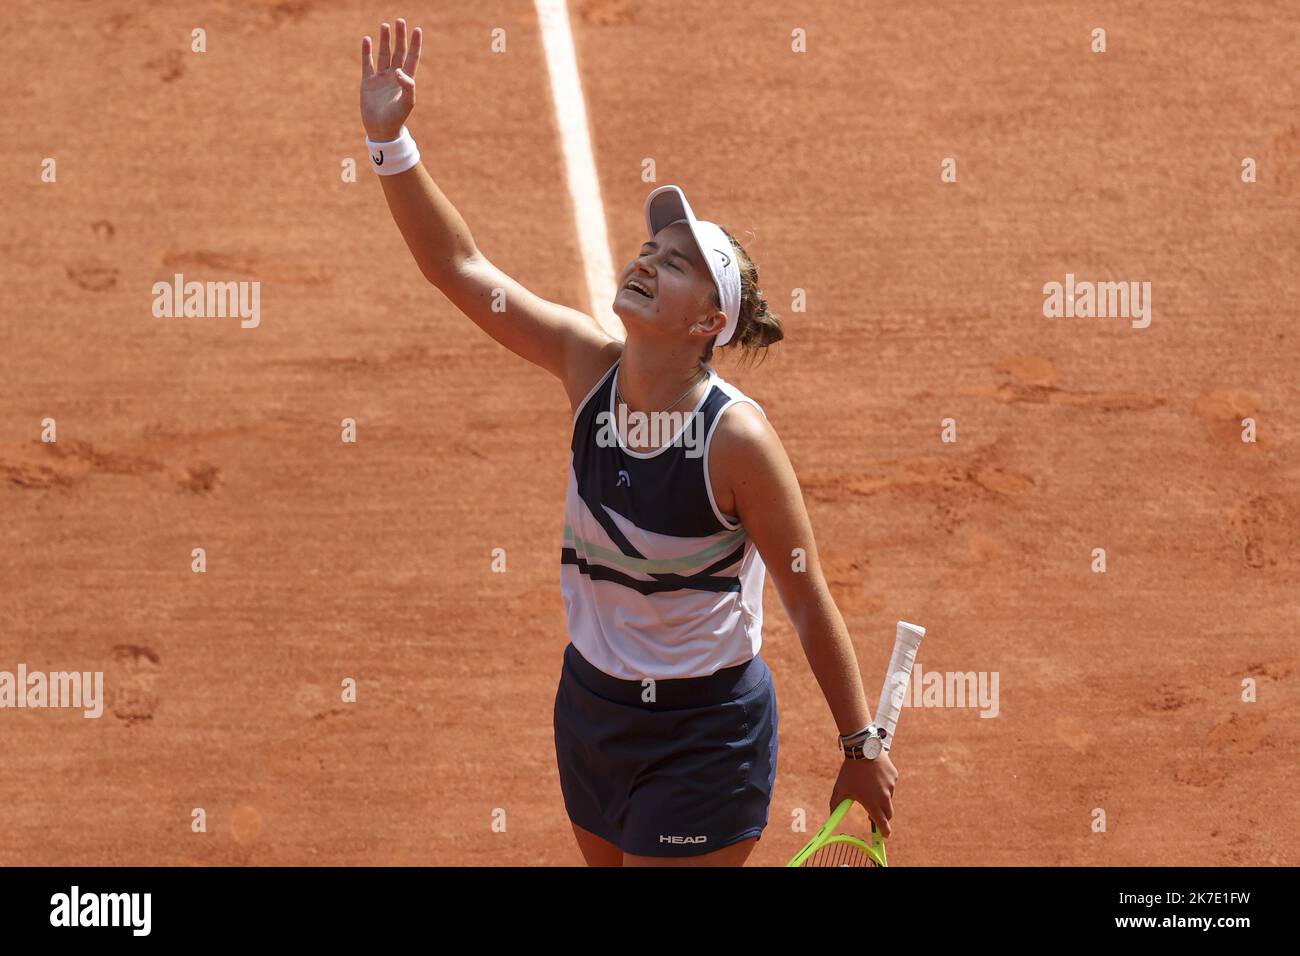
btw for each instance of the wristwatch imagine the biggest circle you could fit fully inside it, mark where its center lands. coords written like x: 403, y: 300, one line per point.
x: 866, y: 744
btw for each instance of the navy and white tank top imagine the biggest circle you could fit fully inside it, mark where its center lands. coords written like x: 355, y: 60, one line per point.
x: 657, y: 581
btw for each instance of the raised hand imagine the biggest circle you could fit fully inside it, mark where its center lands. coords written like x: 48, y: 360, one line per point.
x: 388, y: 86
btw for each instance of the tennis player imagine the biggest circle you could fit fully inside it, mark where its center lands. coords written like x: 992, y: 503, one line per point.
x: 665, y: 714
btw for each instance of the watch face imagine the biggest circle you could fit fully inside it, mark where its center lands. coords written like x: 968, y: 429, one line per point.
x: 871, y: 748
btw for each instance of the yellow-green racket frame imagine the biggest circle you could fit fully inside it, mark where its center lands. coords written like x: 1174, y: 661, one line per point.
x: 827, y: 836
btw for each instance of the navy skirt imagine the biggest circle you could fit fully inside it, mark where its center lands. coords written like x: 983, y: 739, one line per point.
x: 687, y: 773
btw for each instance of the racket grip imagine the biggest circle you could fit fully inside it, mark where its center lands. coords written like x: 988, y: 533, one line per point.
x: 907, y: 641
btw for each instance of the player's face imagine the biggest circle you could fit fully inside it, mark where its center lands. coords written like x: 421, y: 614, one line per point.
x: 676, y: 290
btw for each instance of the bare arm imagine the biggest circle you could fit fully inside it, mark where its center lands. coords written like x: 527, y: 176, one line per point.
x: 551, y: 336
x: 565, y: 342
x: 749, y: 461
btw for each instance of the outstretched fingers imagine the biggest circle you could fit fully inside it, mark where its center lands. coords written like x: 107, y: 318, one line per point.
x: 395, y: 53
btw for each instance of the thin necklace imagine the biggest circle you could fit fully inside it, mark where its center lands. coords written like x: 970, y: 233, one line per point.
x: 688, y: 391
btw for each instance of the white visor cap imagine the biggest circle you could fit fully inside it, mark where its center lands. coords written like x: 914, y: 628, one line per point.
x: 667, y: 205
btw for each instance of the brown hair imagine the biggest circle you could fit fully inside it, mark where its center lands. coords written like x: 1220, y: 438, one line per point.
x: 758, y: 327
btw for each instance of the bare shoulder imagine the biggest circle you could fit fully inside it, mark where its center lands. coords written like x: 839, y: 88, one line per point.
x: 742, y: 424
x: 590, y: 356
x: 744, y: 446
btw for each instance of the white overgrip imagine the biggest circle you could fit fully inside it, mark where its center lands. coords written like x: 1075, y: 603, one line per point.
x: 907, y: 641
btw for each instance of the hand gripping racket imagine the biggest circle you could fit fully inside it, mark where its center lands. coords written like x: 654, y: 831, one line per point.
x: 829, y: 847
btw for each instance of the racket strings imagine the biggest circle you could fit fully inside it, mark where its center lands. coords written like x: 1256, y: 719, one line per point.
x: 840, y: 854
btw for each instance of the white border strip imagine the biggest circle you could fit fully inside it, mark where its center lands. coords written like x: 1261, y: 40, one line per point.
x: 579, y: 162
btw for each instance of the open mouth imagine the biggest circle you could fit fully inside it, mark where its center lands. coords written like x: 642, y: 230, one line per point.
x: 638, y: 288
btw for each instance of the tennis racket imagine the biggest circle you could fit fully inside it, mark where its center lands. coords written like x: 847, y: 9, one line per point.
x: 830, y: 847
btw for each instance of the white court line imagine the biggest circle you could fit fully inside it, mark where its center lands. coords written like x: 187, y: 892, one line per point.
x: 579, y: 163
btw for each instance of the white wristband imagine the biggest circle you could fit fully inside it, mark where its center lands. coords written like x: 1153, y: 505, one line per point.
x: 389, y: 159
